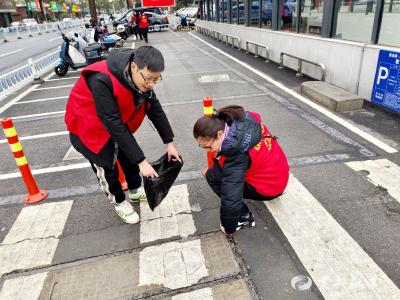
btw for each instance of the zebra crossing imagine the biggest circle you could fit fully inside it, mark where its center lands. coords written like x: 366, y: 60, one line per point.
x: 338, y: 266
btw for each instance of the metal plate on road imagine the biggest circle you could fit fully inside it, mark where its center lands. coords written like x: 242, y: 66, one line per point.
x: 386, y: 90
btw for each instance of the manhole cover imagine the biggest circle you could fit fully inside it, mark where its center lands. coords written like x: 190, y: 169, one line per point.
x: 301, y: 282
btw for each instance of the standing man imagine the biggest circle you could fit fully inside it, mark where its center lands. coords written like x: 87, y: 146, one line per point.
x: 144, y: 25
x: 105, y: 108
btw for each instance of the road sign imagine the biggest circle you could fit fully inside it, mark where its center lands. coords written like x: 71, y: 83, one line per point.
x: 158, y: 3
x: 386, y: 90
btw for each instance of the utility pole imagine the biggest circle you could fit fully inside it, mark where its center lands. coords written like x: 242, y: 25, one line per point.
x: 92, y: 7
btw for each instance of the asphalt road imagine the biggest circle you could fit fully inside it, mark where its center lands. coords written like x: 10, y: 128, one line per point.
x: 337, y: 222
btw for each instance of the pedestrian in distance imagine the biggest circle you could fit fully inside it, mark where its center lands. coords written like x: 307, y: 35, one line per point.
x: 144, y: 26
x: 249, y: 163
x: 105, y: 108
x: 135, y: 25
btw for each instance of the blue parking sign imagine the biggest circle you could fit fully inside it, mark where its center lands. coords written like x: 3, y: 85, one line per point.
x: 386, y: 89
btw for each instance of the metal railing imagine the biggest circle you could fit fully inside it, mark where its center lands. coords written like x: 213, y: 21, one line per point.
x: 233, y: 38
x: 26, y: 74
x: 256, y: 47
x: 19, y: 32
x: 300, y: 64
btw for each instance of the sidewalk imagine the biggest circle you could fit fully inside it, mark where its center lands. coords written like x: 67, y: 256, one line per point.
x: 337, y: 223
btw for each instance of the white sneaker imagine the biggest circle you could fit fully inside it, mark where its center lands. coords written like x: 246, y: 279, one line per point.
x: 135, y: 196
x: 126, y: 212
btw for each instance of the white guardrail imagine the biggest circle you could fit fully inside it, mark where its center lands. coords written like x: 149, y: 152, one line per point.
x: 24, y: 75
x: 18, y: 32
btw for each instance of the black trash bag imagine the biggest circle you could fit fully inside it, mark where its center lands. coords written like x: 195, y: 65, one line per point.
x: 157, y: 188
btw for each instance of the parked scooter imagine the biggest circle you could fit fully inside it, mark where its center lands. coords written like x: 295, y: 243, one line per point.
x: 76, y: 53
x: 123, y: 31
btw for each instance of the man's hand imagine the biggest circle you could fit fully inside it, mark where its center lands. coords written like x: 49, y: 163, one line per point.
x: 147, y: 170
x: 204, y: 172
x: 223, y: 230
x: 173, y: 153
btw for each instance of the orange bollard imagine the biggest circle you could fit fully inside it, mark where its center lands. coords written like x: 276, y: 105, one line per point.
x: 209, y: 111
x: 34, y: 194
x: 121, y: 177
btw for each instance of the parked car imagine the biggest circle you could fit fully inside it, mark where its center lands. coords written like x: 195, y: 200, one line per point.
x: 156, y: 19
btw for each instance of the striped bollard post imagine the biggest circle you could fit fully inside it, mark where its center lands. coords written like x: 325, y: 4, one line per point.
x: 34, y: 194
x: 121, y: 177
x: 208, y: 112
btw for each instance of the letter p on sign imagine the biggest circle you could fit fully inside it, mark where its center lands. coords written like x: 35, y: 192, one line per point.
x: 383, y: 74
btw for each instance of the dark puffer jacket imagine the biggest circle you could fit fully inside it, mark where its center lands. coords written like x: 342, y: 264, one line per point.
x: 241, y: 137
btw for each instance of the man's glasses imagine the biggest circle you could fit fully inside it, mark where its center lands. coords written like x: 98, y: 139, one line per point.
x: 149, y: 80
x: 207, y: 147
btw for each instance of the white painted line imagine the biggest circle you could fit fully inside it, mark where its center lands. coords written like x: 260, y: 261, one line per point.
x: 202, y: 294
x: 214, y: 78
x: 337, y: 264
x: 55, y: 87
x: 171, y: 218
x: 133, y: 45
x: 47, y: 170
x: 42, y: 100
x: 38, y: 136
x: 56, y: 38
x: 25, y: 287
x: 22, y: 95
x: 5, y: 54
x: 72, y: 154
x: 33, y: 238
x: 381, y: 172
x: 173, y: 265
x: 39, y: 115
x: 63, y: 78
x: 327, y: 113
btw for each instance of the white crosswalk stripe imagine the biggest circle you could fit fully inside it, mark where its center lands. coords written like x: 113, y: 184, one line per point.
x: 337, y: 264
x: 22, y: 288
x: 381, y: 172
x: 171, y: 218
x: 33, y: 238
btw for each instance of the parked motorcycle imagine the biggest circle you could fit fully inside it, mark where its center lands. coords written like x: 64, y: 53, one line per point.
x: 75, y: 53
x: 123, y: 31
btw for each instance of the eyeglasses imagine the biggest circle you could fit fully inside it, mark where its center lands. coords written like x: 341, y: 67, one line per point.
x: 149, y: 80
x: 207, y: 147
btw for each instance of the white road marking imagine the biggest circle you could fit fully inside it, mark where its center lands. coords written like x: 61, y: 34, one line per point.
x: 322, y: 110
x: 22, y: 95
x: 22, y: 288
x: 47, y: 170
x: 202, y: 294
x: 63, y: 78
x: 337, y: 264
x: 33, y: 238
x: 214, y: 78
x: 381, y: 172
x: 133, y: 45
x: 56, y: 38
x: 173, y: 265
x: 72, y: 154
x: 55, y: 87
x: 5, y: 54
x: 38, y: 136
x: 171, y: 218
x: 39, y: 115
x: 42, y: 100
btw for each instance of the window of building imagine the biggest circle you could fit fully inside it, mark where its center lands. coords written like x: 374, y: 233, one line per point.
x: 288, y: 11
x: 266, y: 16
x: 354, y: 20
x: 389, y: 34
x: 311, y: 17
x: 238, y: 10
x: 241, y: 12
x: 223, y: 11
x: 255, y: 13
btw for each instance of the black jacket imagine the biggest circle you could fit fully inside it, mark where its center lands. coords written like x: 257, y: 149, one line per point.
x: 241, y: 137
x: 108, y: 112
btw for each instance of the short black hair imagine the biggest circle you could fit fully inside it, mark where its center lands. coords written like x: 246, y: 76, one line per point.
x: 150, y: 57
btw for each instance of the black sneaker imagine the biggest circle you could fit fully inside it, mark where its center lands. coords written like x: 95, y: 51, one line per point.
x: 246, y: 222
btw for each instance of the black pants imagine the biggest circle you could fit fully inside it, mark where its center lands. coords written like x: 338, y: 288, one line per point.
x: 143, y: 33
x: 109, y: 181
x: 214, y: 180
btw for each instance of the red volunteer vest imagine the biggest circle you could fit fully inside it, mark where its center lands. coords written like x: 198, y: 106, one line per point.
x: 269, y: 170
x: 143, y: 21
x: 81, y: 117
